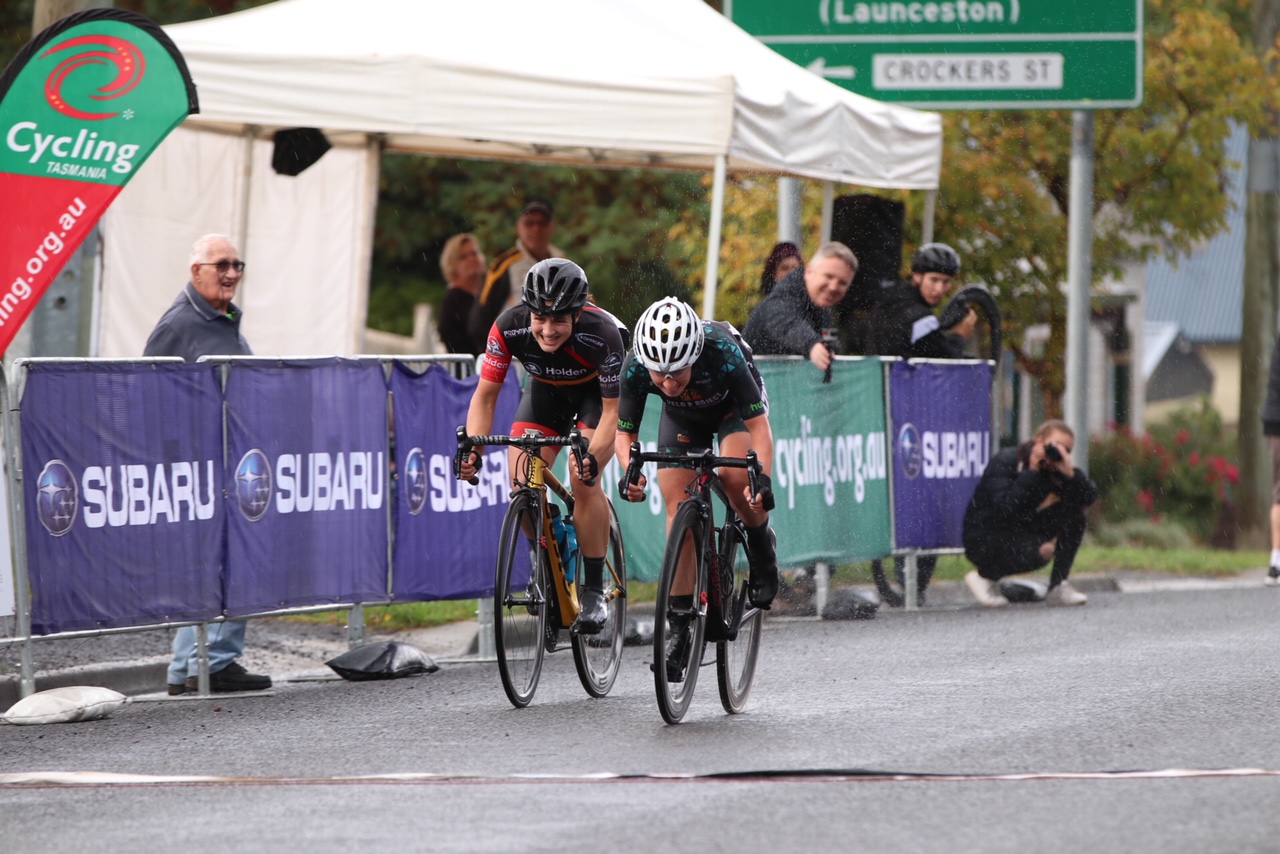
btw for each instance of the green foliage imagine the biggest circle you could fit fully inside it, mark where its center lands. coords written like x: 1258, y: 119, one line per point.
x: 612, y: 222
x: 1142, y: 533
x: 393, y: 618
x: 1181, y: 470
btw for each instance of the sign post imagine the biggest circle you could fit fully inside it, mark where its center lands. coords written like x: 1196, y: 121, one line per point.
x: 962, y: 54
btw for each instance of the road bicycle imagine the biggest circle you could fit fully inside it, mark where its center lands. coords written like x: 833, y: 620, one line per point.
x: 535, y: 595
x: 702, y: 588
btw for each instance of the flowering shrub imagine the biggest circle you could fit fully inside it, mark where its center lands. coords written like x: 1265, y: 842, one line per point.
x: 1181, y: 470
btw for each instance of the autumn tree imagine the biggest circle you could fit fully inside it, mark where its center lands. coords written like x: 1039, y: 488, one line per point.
x: 1159, y: 176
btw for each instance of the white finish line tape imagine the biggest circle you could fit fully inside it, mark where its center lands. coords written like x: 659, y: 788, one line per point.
x: 104, y: 778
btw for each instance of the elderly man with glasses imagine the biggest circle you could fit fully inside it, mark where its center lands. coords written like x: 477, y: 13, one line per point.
x: 203, y: 321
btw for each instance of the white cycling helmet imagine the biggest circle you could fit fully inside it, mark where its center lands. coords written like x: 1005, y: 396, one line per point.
x: 668, y: 336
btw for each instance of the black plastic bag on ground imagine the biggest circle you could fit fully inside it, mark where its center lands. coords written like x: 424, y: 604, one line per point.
x: 847, y: 604
x: 385, y: 660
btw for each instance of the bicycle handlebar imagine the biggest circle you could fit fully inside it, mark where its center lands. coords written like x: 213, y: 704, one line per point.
x: 576, y: 442
x: 699, y: 460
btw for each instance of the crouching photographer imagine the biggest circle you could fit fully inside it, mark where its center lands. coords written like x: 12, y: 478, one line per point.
x: 1028, y: 510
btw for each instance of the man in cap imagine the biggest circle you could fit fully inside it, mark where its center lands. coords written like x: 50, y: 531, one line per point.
x: 503, y: 282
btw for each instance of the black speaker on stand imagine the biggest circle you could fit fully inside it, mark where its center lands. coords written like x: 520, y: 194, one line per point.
x: 872, y: 226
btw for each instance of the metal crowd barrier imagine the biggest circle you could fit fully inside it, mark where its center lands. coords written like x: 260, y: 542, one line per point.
x: 460, y: 366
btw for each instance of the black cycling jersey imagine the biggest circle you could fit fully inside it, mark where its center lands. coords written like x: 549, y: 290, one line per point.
x: 566, y: 385
x: 724, y: 391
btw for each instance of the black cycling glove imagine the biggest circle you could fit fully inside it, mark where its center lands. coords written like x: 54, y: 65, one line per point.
x: 765, y: 486
x: 590, y: 468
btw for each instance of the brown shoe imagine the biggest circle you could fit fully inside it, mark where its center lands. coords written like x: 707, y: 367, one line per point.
x: 182, y: 688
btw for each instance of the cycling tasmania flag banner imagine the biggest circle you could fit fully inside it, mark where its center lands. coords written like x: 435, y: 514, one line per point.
x: 81, y: 107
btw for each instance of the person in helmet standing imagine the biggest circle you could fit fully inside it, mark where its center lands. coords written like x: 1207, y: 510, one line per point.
x: 903, y: 322
x: 710, y: 389
x: 573, y: 352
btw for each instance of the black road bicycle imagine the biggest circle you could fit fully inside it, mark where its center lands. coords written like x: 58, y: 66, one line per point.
x: 702, y: 589
x: 534, y: 597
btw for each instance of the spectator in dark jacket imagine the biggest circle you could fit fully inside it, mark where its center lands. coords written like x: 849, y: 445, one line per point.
x: 1028, y: 510
x: 792, y: 320
x: 903, y: 322
x: 782, y: 261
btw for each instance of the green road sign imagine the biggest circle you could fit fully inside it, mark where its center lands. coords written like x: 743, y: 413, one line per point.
x: 961, y: 54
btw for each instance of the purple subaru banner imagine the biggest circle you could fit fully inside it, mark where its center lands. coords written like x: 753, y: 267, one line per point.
x: 307, y: 469
x: 446, y: 530
x: 941, y: 428
x: 124, y: 471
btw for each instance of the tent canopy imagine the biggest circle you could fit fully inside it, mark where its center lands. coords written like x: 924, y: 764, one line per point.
x: 656, y: 83
x: 666, y: 84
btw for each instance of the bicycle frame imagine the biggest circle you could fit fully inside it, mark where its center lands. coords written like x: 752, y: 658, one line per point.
x: 704, y: 485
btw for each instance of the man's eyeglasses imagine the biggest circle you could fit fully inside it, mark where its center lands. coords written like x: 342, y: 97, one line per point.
x: 224, y: 265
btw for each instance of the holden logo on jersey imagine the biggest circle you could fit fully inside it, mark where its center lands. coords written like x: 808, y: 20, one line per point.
x: 494, y: 348
x: 415, y: 478
x: 56, y: 497
x: 253, y: 485
x: 533, y: 368
x: 612, y: 365
x: 910, y: 450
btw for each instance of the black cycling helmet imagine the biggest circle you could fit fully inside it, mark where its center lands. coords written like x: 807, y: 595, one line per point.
x: 556, y: 286
x: 936, y: 258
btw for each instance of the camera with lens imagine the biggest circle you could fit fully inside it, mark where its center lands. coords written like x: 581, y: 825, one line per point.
x: 1052, y: 453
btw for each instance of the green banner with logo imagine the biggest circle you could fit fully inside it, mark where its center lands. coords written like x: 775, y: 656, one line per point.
x: 81, y: 107
x: 830, y: 469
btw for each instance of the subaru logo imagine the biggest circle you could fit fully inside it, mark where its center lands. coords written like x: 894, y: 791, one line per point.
x: 253, y: 485
x: 415, y: 480
x: 57, y: 497
x: 910, y: 450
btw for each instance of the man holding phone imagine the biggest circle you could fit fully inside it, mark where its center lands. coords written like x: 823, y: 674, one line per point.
x: 1028, y: 510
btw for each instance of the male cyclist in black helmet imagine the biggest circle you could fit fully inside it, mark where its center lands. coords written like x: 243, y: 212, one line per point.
x: 572, y: 352
x: 710, y: 389
x: 903, y: 323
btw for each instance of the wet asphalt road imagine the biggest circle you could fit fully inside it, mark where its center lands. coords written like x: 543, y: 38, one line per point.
x: 1130, y: 682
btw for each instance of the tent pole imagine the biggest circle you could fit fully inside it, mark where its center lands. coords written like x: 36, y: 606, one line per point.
x: 711, y: 282
x: 374, y: 145
x: 828, y: 209
x: 930, y: 211
x: 246, y: 193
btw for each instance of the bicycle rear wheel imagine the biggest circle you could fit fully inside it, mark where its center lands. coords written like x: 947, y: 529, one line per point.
x: 736, y: 659
x: 598, y: 657
x: 679, y: 626
x: 520, y: 601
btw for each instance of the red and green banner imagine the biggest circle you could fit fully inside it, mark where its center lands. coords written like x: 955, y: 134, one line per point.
x: 82, y: 106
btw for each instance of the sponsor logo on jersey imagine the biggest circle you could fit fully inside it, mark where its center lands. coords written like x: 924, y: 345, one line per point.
x: 590, y: 340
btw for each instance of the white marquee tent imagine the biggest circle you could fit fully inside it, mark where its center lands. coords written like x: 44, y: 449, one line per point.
x: 665, y: 84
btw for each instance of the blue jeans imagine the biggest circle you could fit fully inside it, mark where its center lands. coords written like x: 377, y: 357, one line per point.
x: 226, y: 644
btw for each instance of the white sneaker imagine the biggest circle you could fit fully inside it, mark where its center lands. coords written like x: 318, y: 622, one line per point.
x: 987, y: 592
x: 1065, y: 594
x: 1273, y: 576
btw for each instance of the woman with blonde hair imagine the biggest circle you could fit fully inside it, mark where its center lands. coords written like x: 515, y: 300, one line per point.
x: 463, y: 264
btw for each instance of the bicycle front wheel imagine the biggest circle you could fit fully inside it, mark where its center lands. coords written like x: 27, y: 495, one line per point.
x: 598, y: 657
x: 520, y: 600
x: 736, y: 658
x: 679, y: 626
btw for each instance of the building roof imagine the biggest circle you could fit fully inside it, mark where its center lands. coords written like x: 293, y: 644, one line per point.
x: 1203, y: 293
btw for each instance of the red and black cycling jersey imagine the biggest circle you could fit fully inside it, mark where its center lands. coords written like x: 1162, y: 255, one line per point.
x: 724, y: 382
x: 594, y: 351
